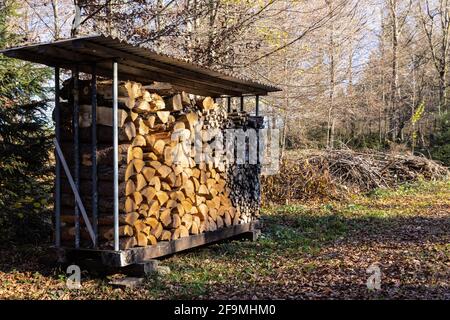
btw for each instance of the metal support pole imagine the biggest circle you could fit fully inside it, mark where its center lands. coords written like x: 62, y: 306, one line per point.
x: 229, y: 104
x: 242, y: 103
x: 116, y: 156
x: 257, y: 131
x: 58, y: 164
x: 94, y: 153
x: 75, y: 191
x: 76, y: 149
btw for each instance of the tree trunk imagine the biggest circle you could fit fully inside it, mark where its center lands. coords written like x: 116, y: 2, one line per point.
x: 442, y: 91
x: 394, y: 81
x: 332, y: 80
x: 55, y: 5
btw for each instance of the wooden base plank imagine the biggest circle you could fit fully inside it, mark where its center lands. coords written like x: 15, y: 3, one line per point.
x: 132, y: 256
x: 141, y: 269
x: 127, y: 283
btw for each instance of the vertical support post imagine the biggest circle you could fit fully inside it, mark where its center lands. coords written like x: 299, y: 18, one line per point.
x: 257, y: 130
x: 94, y: 153
x: 229, y: 104
x: 242, y: 103
x: 116, y: 156
x: 58, y: 164
x: 76, y: 149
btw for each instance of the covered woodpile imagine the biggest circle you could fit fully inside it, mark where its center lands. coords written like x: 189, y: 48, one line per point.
x: 173, y: 180
x: 335, y: 173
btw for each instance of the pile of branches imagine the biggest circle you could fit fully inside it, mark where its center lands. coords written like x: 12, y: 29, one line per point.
x: 336, y: 173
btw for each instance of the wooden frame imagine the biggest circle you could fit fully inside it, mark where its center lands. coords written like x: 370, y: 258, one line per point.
x: 101, y: 56
x: 132, y: 256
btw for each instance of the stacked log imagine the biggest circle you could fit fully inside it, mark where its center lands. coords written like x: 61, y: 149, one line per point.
x: 167, y: 190
x: 244, y: 179
x: 244, y: 183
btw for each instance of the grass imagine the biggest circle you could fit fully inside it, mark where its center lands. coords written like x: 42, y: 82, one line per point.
x: 309, y: 251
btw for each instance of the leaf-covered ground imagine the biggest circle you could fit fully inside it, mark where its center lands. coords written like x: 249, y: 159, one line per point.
x: 315, y: 251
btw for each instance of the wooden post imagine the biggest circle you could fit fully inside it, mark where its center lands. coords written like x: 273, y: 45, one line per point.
x: 257, y: 131
x: 116, y: 155
x: 94, y: 153
x: 76, y: 149
x: 58, y: 163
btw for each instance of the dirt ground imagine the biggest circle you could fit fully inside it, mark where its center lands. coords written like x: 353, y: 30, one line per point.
x: 309, y: 251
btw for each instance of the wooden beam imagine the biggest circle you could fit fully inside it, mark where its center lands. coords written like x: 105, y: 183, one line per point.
x: 141, y: 255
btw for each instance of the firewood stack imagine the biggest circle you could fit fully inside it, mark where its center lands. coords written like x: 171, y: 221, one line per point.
x: 244, y: 183
x: 243, y: 120
x: 165, y: 192
x: 243, y: 179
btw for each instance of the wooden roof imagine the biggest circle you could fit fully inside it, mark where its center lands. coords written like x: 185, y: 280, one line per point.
x: 137, y: 64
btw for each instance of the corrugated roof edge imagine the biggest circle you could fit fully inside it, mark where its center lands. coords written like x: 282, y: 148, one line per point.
x: 176, y: 60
